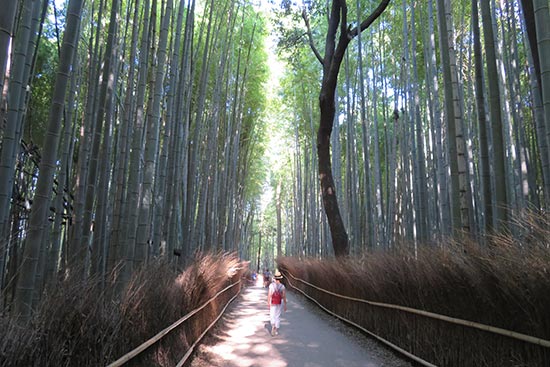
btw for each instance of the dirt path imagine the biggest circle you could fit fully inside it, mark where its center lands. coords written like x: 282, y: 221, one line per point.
x: 306, y: 339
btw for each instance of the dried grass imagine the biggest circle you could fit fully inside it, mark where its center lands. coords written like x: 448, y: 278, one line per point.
x: 77, y: 325
x: 504, y: 284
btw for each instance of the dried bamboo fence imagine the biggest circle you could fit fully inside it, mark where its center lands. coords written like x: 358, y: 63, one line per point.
x: 430, y: 339
x: 202, y: 319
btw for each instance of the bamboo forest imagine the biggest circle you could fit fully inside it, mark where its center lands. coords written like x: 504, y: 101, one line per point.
x: 146, y: 143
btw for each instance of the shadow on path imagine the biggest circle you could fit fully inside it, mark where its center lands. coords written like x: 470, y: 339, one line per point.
x: 305, y: 339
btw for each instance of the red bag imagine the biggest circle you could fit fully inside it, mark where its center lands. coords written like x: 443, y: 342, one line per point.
x: 276, y: 297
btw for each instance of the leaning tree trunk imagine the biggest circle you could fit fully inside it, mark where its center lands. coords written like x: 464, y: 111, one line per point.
x: 453, y: 117
x: 98, y: 244
x: 379, y: 237
x: 11, y: 128
x: 441, y: 189
x: 129, y: 219
x: 538, y: 116
x: 351, y: 195
x: 97, y: 138
x: 419, y: 136
x: 193, y: 188
x: 7, y: 21
x: 485, y: 170
x: 7, y: 159
x: 499, y: 158
x: 41, y: 203
x: 167, y: 156
x: 120, y: 178
x: 374, y: 219
x: 144, y: 229
x: 542, y: 18
x: 181, y: 161
x: 85, y: 139
x: 526, y: 171
x: 334, y: 53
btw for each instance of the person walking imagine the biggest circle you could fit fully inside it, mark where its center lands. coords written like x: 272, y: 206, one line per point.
x: 276, y: 300
x: 267, y: 278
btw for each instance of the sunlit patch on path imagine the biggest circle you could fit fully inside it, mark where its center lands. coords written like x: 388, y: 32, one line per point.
x: 305, y: 339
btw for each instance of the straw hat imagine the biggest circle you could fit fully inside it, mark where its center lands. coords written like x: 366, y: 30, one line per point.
x: 278, y: 275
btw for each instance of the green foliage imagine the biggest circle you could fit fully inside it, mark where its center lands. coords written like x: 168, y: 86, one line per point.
x: 41, y: 91
x: 253, y: 137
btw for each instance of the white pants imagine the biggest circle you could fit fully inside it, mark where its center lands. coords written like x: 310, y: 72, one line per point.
x: 275, y: 312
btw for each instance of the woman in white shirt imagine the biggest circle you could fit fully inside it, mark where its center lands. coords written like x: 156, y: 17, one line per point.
x: 276, y: 300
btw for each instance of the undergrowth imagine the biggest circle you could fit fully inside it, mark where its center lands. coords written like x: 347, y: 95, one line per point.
x: 78, y: 324
x: 503, y: 283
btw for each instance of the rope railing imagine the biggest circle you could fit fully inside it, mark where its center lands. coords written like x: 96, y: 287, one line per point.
x: 145, y: 345
x: 387, y: 342
x: 472, y: 324
x: 192, y: 347
x: 377, y: 337
x: 430, y: 315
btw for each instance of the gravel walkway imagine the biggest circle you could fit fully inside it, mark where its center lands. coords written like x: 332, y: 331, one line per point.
x: 308, y: 337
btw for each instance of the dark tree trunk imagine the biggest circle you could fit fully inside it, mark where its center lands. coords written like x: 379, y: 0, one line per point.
x: 334, y: 53
x: 330, y: 202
